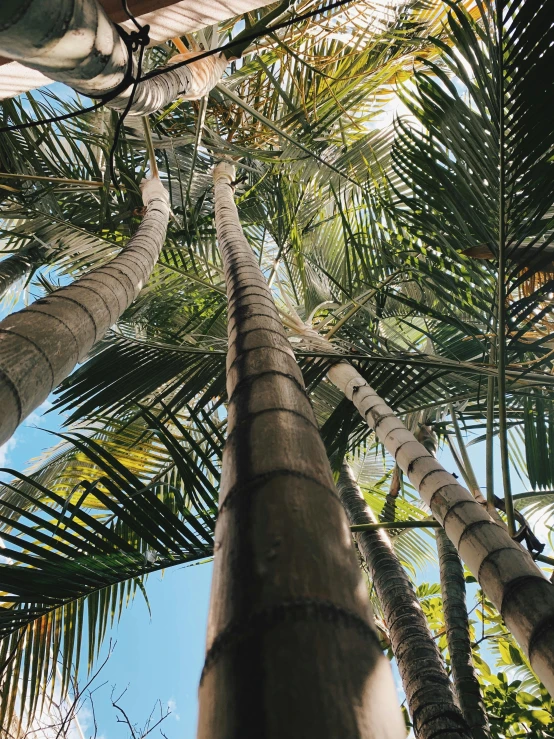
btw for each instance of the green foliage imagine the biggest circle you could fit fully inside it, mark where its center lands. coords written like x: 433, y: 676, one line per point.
x: 476, y: 184
x: 517, y: 704
x: 360, y: 228
x: 515, y: 713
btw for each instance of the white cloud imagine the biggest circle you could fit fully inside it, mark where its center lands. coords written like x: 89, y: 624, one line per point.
x: 85, y: 718
x: 172, y: 707
x: 5, y: 450
x: 5, y: 560
x: 37, y: 414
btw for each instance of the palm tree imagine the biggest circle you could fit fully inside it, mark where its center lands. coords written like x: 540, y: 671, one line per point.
x: 430, y: 479
x: 41, y: 344
x: 430, y: 699
x: 457, y: 635
x: 453, y: 589
x: 464, y: 519
x: 505, y: 188
x: 281, y: 638
x: 485, y: 546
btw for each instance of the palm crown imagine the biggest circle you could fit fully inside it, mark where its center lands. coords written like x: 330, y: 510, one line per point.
x: 387, y: 239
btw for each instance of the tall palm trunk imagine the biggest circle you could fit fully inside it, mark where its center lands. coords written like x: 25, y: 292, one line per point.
x: 76, y: 43
x: 457, y: 635
x: 389, y: 509
x: 40, y: 345
x: 453, y: 589
x: 430, y: 700
x: 291, y: 649
x: 506, y: 572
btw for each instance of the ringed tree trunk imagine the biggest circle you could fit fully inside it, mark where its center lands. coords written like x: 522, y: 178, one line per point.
x: 506, y: 572
x: 453, y: 589
x: 292, y: 650
x: 74, y: 41
x: 389, y: 509
x: 428, y: 692
x: 41, y: 344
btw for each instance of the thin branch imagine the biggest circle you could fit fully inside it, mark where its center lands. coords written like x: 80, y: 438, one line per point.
x: 43, y: 178
x: 426, y: 524
x: 150, y: 148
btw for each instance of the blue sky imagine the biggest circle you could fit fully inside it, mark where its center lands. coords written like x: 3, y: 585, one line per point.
x: 157, y: 656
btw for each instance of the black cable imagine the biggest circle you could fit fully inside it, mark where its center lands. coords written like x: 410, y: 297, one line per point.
x: 54, y: 119
x: 251, y: 37
x: 136, y: 40
x: 123, y: 115
x: 156, y: 72
x: 130, y: 16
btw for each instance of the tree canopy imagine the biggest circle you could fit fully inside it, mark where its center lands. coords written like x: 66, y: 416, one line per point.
x: 394, y: 179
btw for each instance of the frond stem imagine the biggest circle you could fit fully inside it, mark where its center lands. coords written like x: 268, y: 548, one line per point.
x: 426, y: 524
x: 44, y: 178
x: 150, y: 147
x: 471, y: 477
x: 359, y: 304
x: 501, y: 308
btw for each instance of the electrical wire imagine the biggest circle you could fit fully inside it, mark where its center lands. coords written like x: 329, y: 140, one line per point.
x: 123, y: 115
x: 251, y: 37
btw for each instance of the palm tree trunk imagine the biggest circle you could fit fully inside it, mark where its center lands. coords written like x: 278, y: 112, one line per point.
x: 505, y: 571
x: 457, y: 635
x: 389, y: 509
x: 430, y: 700
x: 40, y: 345
x: 291, y: 649
x: 76, y: 43
x: 453, y: 590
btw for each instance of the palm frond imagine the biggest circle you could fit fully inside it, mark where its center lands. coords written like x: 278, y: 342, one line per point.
x: 65, y: 564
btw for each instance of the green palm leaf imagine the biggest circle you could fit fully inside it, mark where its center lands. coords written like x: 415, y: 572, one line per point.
x: 69, y: 561
x: 477, y: 179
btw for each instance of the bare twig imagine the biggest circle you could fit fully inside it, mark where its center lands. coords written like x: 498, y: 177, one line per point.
x: 148, y: 728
